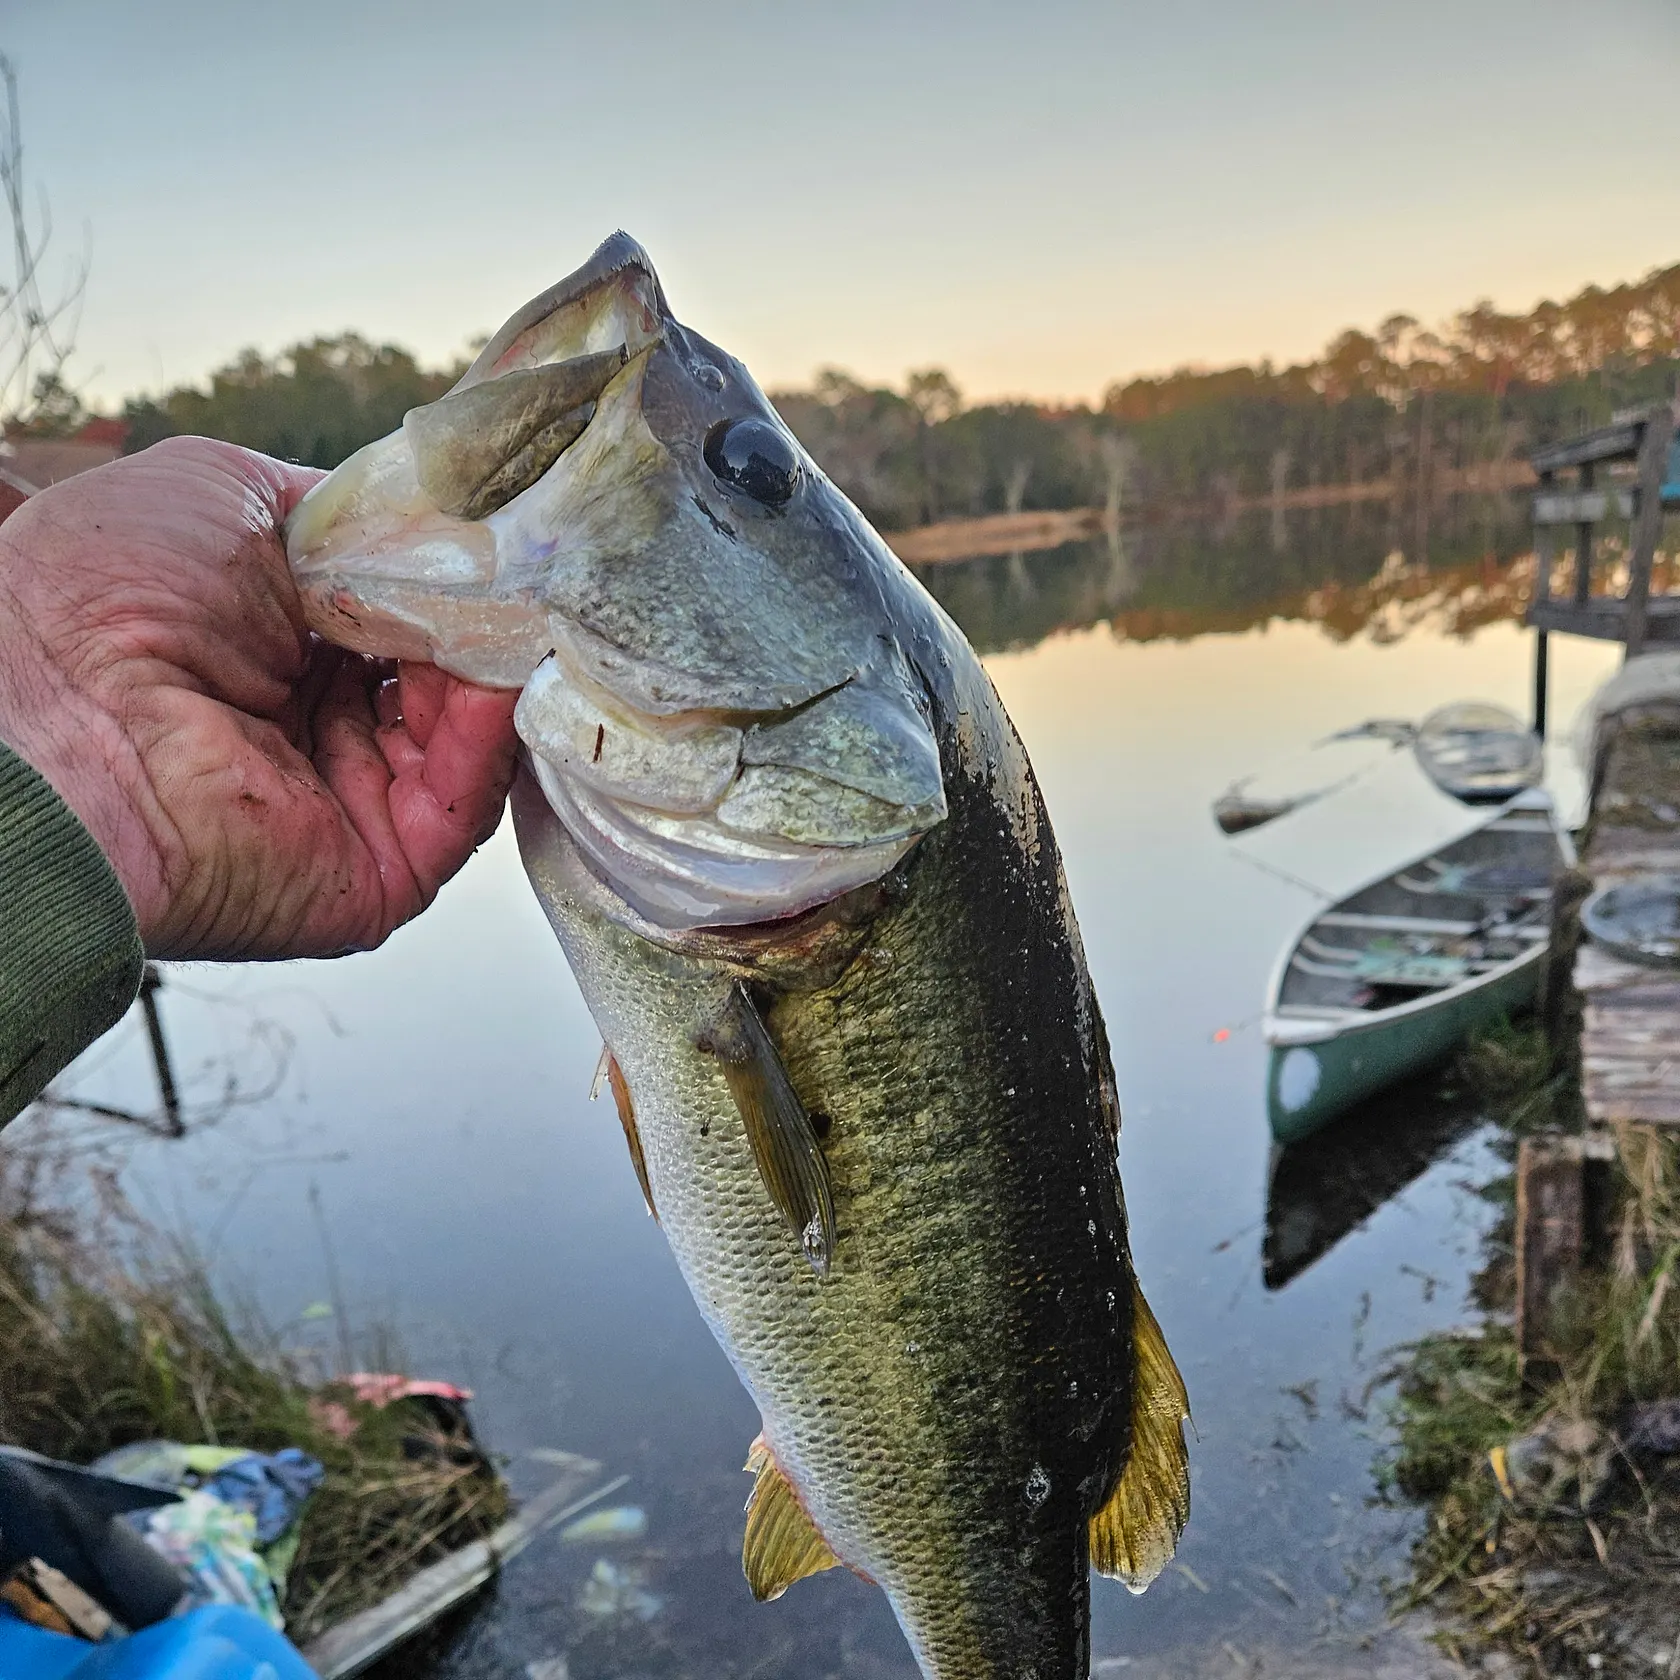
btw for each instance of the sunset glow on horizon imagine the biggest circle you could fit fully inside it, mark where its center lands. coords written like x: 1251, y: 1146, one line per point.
x: 1040, y: 201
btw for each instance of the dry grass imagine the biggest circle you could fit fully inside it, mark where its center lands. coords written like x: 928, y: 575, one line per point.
x: 1509, y: 1069
x: 1582, y: 1578
x: 99, y: 1354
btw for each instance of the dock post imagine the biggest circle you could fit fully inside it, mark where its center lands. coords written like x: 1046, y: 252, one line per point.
x: 1542, y: 592
x: 1549, y: 1208
x: 1558, y: 1006
x: 1647, y: 523
x: 151, y: 982
x: 1584, y: 541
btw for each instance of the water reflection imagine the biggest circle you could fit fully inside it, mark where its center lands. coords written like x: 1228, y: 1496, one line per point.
x: 482, y: 1210
x: 1324, y: 1188
x: 1007, y: 601
x: 1345, y: 569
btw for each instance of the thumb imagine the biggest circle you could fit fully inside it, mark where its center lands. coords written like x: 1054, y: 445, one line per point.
x: 283, y: 484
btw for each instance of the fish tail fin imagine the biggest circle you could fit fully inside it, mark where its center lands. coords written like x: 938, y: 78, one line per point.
x: 1136, y: 1532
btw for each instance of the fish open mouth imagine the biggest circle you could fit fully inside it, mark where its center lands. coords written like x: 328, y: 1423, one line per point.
x: 710, y: 818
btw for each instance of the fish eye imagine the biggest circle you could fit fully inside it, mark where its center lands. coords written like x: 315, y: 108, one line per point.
x: 755, y: 457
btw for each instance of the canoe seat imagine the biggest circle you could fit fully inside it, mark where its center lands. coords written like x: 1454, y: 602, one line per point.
x: 1425, y: 925
x: 1479, y: 880
x: 1387, y: 965
x: 1429, y: 926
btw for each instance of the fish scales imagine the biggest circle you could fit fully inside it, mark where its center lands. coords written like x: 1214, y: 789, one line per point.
x: 806, y: 882
x: 966, y: 1226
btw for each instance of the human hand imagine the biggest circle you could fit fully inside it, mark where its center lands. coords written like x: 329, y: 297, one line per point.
x: 259, y: 793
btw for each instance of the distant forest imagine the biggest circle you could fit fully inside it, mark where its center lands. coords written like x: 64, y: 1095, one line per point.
x: 1395, y: 405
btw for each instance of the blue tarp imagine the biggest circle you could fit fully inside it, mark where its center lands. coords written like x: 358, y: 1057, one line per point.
x: 216, y: 1643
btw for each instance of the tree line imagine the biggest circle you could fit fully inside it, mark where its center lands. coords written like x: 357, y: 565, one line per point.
x: 1384, y: 405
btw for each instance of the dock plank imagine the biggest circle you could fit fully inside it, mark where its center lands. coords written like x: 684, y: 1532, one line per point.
x: 1630, y: 1012
x: 1616, y: 442
x: 1630, y: 1037
x: 1606, y: 619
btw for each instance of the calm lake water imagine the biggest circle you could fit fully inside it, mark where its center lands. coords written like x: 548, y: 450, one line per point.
x: 432, y: 1104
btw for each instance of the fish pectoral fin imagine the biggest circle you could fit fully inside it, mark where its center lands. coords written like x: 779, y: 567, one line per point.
x: 627, y: 1119
x: 782, y: 1544
x: 784, y: 1142
x: 1135, y: 1534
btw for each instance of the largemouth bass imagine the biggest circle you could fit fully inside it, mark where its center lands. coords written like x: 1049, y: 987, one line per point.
x: 799, y: 864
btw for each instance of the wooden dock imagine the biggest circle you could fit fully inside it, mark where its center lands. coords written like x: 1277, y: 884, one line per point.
x: 1627, y: 1044
x: 1629, y: 1020
x: 1628, y: 470
x: 1630, y: 1012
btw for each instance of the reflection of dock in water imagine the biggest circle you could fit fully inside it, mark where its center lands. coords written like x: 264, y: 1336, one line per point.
x: 169, y: 1095
x: 168, y: 1121
x: 1327, y: 1186
x: 239, y: 1076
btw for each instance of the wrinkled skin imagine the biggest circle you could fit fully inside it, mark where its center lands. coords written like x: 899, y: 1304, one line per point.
x: 766, y: 773
x: 259, y: 794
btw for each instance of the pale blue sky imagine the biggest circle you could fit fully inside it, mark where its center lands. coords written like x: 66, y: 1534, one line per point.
x: 1042, y: 197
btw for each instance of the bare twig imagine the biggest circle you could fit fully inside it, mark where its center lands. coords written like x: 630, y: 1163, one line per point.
x: 37, y: 336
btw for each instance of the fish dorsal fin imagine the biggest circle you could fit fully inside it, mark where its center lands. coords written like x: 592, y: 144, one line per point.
x: 784, y: 1142
x: 782, y: 1544
x: 1136, y: 1532
x: 627, y: 1119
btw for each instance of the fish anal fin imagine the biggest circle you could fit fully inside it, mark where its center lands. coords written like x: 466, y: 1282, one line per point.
x: 782, y: 1544
x: 784, y: 1141
x: 627, y: 1119
x: 1135, y: 1534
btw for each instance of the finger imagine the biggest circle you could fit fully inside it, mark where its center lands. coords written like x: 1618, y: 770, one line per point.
x: 349, y: 759
x: 387, y: 704
x: 297, y: 716
x: 424, y: 690
x: 403, y: 754
x: 470, y: 752
x: 447, y: 810
x: 420, y: 813
x: 284, y: 483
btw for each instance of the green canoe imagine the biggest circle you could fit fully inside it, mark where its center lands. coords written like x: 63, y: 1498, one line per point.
x: 1397, y: 974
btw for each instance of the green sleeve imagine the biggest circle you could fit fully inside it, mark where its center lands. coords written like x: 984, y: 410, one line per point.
x: 70, y: 953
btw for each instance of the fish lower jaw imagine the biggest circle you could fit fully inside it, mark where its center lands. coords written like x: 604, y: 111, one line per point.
x: 689, y: 872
